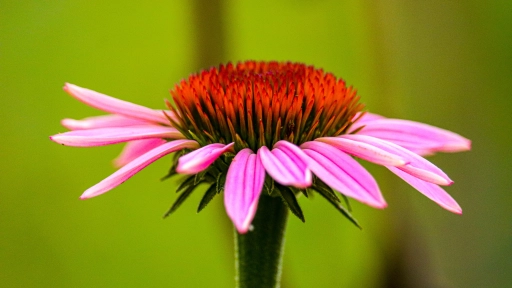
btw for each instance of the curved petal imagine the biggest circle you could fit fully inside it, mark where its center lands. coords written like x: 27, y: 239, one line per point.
x: 299, y: 158
x: 284, y: 169
x: 107, y: 136
x: 134, y: 149
x: 415, y: 136
x: 115, y: 106
x: 198, y: 160
x: 417, y: 166
x: 242, y: 190
x: 364, y: 151
x: 104, y: 121
x: 343, y: 173
x: 135, y: 166
x: 432, y: 191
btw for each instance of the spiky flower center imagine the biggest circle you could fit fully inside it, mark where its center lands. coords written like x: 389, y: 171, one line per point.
x: 256, y: 104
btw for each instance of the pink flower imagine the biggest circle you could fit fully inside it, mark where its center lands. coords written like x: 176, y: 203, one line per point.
x: 265, y: 124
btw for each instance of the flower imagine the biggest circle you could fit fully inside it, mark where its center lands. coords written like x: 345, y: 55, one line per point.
x: 287, y: 127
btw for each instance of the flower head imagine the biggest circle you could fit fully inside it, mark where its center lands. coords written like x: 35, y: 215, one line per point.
x: 285, y: 128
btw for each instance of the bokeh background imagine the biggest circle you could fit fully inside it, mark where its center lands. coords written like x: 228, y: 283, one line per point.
x: 447, y: 63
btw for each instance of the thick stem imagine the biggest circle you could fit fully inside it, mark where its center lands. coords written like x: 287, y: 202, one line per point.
x: 259, y: 252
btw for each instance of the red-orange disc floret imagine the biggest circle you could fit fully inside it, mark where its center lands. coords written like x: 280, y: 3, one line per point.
x: 259, y: 103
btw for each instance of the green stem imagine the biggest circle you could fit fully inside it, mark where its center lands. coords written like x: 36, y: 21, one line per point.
x: 259, y: 252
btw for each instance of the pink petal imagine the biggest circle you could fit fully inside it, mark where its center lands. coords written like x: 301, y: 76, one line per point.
x: 198, y: 160
x: 432, y: 191
x: 104, y: 121
x: 135, y: 166
x: 115, y: 106
x: 284, y: 166
x: 134, y: 149
x: 415, y: 136
x: 364, y: 151
x: 417, y: 166
x: 242, y: 190
x: 343, y: 173
x: 299, y: 158
x: 107, y: 136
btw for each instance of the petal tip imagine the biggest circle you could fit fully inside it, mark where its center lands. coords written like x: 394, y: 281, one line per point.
x: 454, y: 208
x: 380, y: 205
x: 444, y: 182
x: 230, y: 147
x: 66, y: 122
x: 466, y: 146
x: 55, y: 138
x: 68, y: 87
x: 458, y: 147
x: 242, y: 229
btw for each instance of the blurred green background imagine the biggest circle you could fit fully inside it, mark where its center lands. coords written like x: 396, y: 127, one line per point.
x: 446, y: 63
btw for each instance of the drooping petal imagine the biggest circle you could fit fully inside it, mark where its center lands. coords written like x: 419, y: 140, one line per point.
x: 432, y: 191
x: 364, y: 151
x: 418, y: 137
x: 417, y: 166
x: 244, y: 182
x: 343, y: 173
x: 104, y: 121
x: 286, y: 170
x: 134, y: 149
x: 198, y: 160
x: 107, y: 136
x: 299, y: 158
x: 115, y: 106
x: 135, y: 166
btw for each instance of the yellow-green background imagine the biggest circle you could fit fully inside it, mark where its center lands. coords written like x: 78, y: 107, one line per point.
x: 447, y: 63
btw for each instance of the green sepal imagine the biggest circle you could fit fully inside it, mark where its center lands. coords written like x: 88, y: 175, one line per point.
x: 239, y: 143
x: 188, y: 182
x: 183, y: 196
x: 269, y: 185
x: 329, y: 195
x: 326, y: 189
x: 169, y: 175
x: 347, y: 202
x: 212, y: 138
x: 173, y: 123
x: 198, y: 139
x: 207, y: 197
x: 297, y: 191
x: 172, y: 170
x: 357, y: 129
x: 221, y: 180
x: 200, y: 176
x: 291, y: 201
x: 223, y: 160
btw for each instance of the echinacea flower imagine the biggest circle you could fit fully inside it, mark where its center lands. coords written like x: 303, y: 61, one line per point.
x: 283, y: 128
